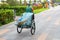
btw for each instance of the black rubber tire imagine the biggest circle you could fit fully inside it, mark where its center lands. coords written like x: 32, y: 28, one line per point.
x: 33, y: 28
x: 19, y: 31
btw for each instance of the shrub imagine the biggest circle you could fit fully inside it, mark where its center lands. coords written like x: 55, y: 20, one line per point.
x: 38, y: 6
x: 35, y: 7
x: 6, y: 16
x: 19, y: 9
x: 4, y: 4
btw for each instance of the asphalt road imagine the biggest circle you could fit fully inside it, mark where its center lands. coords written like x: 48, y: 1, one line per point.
x: 47, y: 27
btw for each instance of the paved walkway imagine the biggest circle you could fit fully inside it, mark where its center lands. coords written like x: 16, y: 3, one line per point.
x: 47, y: 27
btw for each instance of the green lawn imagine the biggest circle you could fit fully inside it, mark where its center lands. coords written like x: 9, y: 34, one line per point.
x: 40, y: 10
x: 57, y: 0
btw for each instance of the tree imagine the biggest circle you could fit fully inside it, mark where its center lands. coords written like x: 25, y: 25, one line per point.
x: 25, y: 3
x: 39, y: 0
x: 20, y: 2
x: 34, y: 1
x: 30, y: 1
x: 52, y: 3
x: 12, y: 2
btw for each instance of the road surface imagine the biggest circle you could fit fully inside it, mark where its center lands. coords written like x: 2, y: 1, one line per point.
x: 47, y: 27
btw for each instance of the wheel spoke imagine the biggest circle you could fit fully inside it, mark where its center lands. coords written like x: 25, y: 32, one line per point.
x: 33, y: 28
x: 19, y: 30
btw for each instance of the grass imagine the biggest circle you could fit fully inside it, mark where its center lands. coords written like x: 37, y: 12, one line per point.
x: 57, y: 0
x: 40, y: 10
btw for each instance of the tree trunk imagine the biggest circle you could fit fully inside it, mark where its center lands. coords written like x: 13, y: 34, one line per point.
x: 40, y: 1
x: 30, y: 1
x: 25, y: 3
x: 34, y: 1
x: 20, y: 2
x: 52, y: 4
x: 12, y: 2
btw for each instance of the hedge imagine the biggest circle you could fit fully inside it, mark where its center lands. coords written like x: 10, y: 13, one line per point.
x: 19, y: 9
x: 6, y: 16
